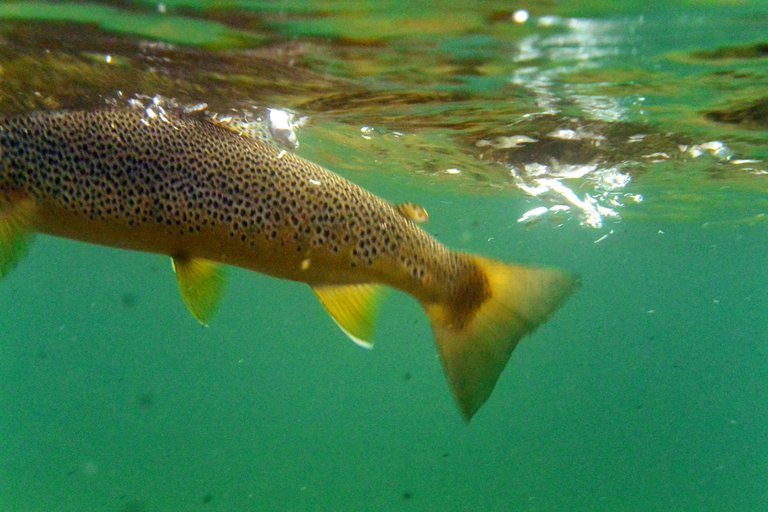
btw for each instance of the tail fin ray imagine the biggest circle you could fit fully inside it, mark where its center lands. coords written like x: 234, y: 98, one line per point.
x: 475, y: 344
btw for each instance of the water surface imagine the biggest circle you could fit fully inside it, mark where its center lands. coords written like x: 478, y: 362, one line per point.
x: 623, y: 142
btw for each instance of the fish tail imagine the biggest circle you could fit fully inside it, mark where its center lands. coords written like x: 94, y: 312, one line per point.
x: 477, y: 329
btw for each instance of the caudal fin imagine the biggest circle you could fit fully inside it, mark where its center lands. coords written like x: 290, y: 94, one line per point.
x: 475, y: 336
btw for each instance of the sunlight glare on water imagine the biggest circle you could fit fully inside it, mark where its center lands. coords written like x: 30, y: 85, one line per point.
x: 621, y: 142
x: 584, y: 45
x: 549, y: 182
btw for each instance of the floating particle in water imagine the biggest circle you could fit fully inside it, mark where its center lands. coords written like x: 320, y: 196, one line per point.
x: 145, y: 400
x: 134, y: 506
x: 407, y: 376
x: 90, y: 468
x: 207, y: 498
x: 407, y: 495
x: 128, y: 300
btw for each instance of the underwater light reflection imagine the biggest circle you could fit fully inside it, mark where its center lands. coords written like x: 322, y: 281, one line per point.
x: 548, y: 182
x: 563, y: 46
x: 579, y: 44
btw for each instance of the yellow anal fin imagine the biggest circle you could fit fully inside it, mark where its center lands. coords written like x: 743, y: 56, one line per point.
x: 16, y: 218
x: 201, y: 283
x: 475, y: 341
x: 353, y: 308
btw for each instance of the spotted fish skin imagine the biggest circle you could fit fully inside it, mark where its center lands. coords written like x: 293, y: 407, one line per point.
x: 190, y: 187
x: 194, y: 190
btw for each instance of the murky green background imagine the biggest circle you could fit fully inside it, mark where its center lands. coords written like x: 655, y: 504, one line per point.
x: 624, y: 141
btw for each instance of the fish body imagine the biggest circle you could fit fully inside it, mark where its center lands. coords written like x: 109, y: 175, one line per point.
x: 207, y: 195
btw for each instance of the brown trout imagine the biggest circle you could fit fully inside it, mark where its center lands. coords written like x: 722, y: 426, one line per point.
x: 206, y: 195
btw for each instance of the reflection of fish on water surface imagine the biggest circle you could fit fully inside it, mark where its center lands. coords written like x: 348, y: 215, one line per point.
x: 206, y: 195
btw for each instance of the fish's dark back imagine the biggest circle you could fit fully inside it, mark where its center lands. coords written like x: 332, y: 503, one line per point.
x: 188, y: 174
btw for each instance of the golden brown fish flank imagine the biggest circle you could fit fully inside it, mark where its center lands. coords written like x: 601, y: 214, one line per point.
x: 188, y: 175
x: 205, y: 194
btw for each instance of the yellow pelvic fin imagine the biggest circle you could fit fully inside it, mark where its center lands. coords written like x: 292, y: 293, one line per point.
x: 16, y: 219
x: 475, y: 341
x: 413, y: 212
x: 201, y: 283
x: 353, y: 308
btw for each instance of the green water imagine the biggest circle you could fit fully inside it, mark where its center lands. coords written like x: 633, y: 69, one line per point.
x: 644, y: 170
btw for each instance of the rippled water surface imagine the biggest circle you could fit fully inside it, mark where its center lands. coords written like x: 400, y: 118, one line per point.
x: 622, y: 141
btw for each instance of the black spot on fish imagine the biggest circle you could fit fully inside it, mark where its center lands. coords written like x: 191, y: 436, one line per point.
x: 121, y: 166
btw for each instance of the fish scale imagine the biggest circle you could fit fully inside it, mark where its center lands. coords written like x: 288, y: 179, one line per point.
x: 206, y: 195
